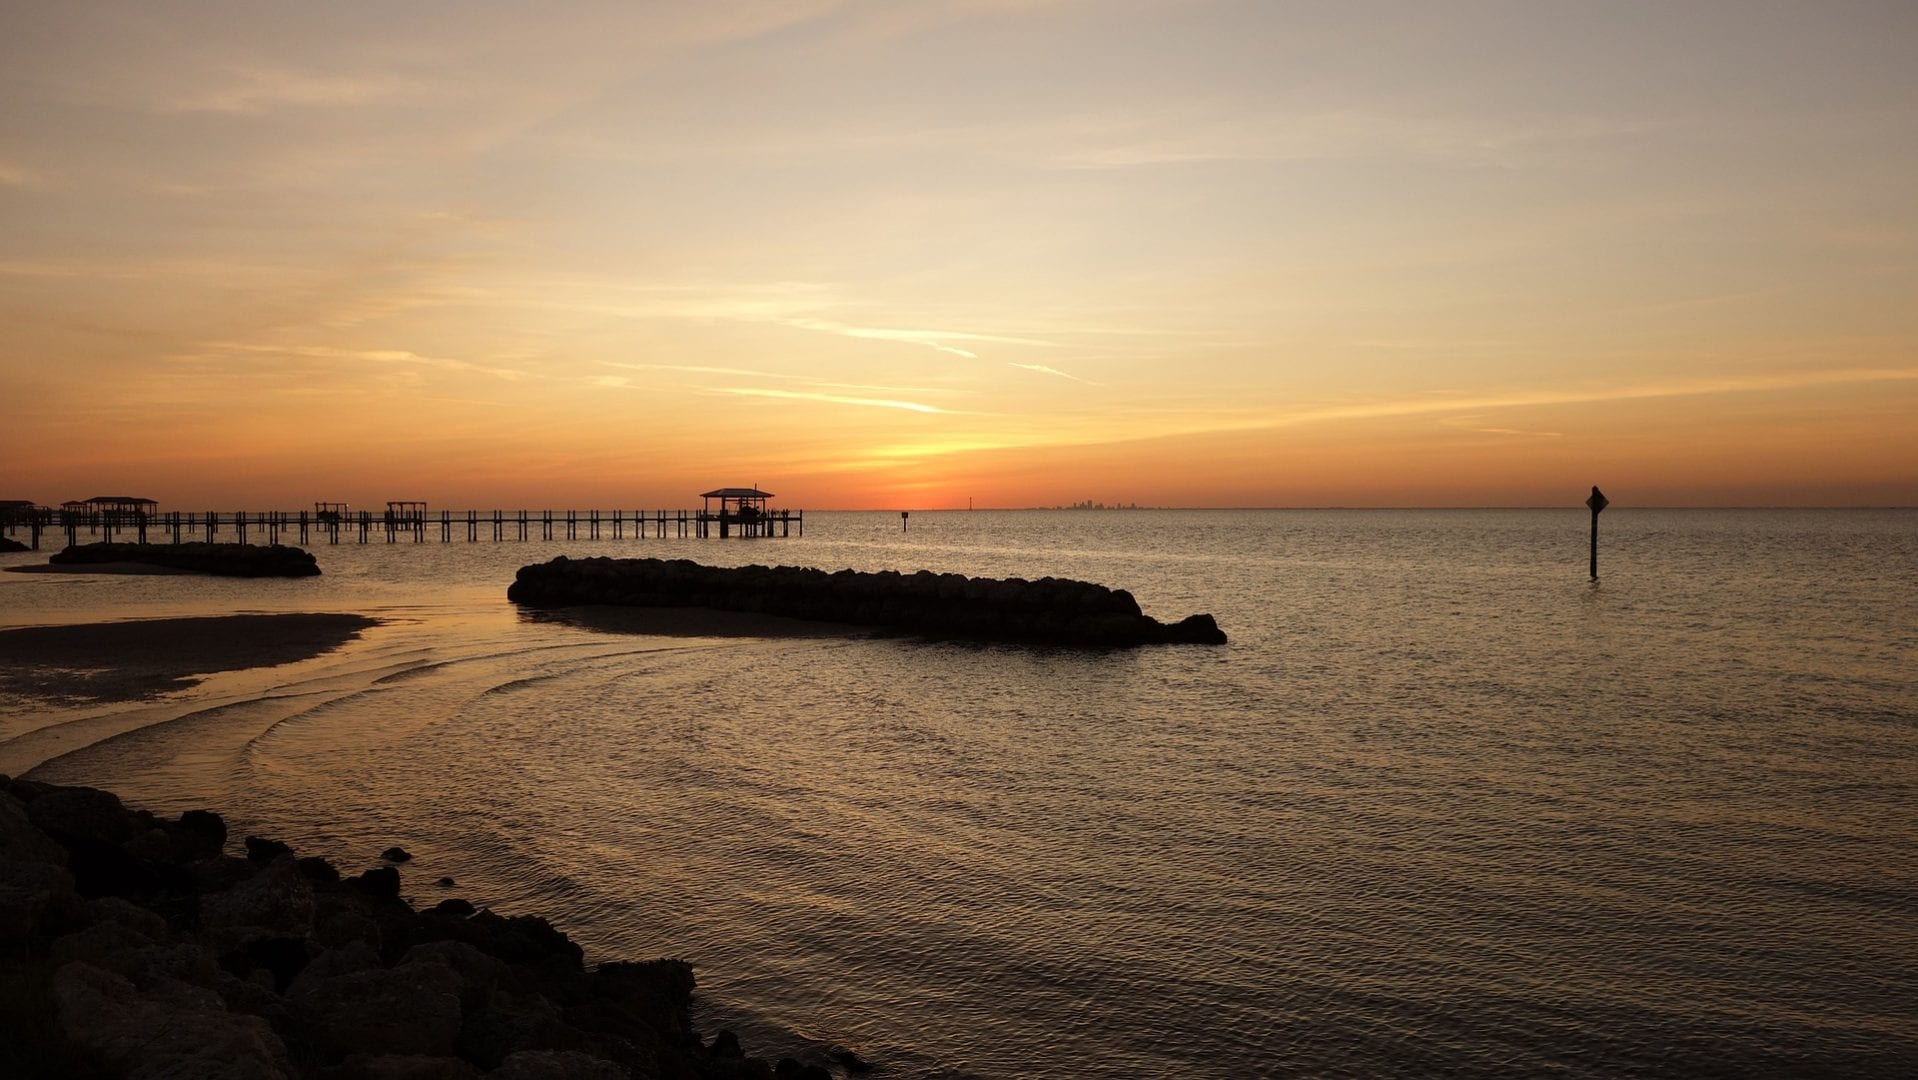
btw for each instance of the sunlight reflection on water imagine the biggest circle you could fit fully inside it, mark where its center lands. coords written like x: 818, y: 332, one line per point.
x: 1440, y: 806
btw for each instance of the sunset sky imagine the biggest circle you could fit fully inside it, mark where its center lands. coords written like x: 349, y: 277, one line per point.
x: 908, y: 254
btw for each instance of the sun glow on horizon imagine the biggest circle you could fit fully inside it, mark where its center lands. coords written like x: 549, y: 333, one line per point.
x: 1165, y: 253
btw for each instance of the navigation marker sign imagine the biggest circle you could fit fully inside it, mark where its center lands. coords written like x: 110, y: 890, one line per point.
x: 1597, y: 501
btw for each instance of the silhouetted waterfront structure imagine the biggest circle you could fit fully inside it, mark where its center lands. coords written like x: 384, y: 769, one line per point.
x: 743, y: 509
x: 406, y: 517
x: 111, y: 509
x: 17, y: 514
x: 1597, y: 501
x: 409, y: 521
x: 108, y: 512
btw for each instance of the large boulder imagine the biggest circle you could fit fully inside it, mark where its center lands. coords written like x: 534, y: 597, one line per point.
x: 397, y: 1067
x: 529, y: 940
x: 202, y: 833
x: 276, y: 902
x: 21, y: 839
x: 556, y: 1065
x: 479, y: 974
x: 170, y: 1032
x: 344, y: 960
x: 406, y: 1010
x: 656, y: 995
x: 510, y: 1022
x: 73, y: 815
x: 37, y: 901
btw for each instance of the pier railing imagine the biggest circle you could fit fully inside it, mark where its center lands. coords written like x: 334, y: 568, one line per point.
x: 367, y: 526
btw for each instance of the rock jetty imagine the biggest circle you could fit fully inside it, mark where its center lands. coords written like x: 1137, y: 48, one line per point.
x: 221, y: 560
x: 137, y: 946
x: 1050, y: 610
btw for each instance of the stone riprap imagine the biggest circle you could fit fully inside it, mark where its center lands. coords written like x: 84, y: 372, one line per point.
x: 153, y: 952
x: 221, y: 560
x: 1050, y: 610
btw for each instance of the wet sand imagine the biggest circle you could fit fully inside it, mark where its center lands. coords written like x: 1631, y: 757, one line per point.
x: 98, y: 568
x: 127, y: 661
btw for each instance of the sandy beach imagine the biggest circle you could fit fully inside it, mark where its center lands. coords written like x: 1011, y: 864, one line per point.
x: 125, y: 661
x: 131, y: 568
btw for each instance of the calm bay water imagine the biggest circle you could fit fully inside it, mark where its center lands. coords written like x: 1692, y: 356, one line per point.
x: 1442, y: 805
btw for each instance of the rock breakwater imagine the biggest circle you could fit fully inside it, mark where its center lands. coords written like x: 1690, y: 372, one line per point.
x: 1048, y: 610
x: 221, y: 560
x: 133, y: 945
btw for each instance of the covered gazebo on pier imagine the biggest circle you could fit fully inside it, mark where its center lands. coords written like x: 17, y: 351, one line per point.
x: 743, y: 510
x: 109, y: 510
x: 23, y: 513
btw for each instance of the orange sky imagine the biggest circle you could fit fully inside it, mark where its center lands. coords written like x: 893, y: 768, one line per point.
x: 1022, y: 253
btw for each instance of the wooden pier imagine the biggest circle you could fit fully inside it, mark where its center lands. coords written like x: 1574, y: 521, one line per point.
x: 399, y: 526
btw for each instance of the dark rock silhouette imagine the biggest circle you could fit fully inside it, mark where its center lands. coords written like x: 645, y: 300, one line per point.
x: 8, y: 545
x: 396, y: 855
x: 259, y: 849
x: 1048, y: 611
x: 219, y: 560
x: 380, y: 883
x: 317, y: 870
x: 851, y: 1060
x: 192, y: 962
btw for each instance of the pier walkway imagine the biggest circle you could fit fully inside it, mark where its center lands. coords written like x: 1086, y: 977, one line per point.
x: 367, y: 526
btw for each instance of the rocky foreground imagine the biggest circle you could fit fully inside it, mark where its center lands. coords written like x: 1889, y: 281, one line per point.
x: 1049, y: 611
x: 135, y: 946
x: 220, y: 560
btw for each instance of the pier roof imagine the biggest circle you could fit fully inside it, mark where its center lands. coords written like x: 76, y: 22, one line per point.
x: 736, y: 493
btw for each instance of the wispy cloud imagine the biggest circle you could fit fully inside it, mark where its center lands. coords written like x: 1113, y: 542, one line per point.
x: 698, y: 369
x: 1476, y: 425
x: 1053, y: 371
x: 1738, y: 384
x: 823, y: 384
x: 375, y: 356
x: 257, y: 91
x: 932, y: 339
x: 1201, y: 133
x: 1467, y: 413
x: 831, y: 399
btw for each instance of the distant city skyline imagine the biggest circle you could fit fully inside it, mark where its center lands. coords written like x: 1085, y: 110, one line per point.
x: 867, y: 255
